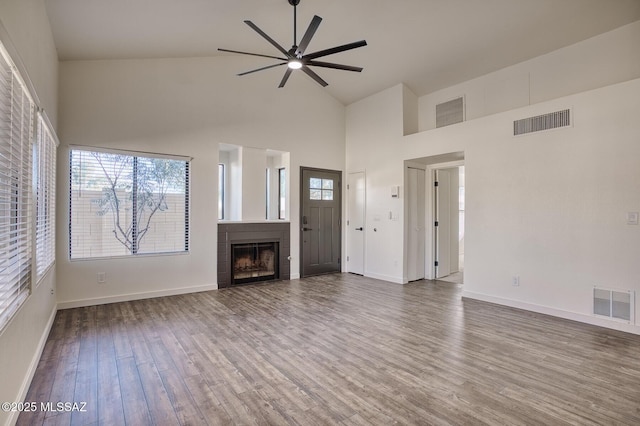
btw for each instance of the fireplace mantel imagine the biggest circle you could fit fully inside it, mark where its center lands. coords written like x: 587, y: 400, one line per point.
x: 230, y: 233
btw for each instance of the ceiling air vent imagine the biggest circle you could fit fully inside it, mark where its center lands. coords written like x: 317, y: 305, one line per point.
x: 451, y: 112
x: 553, y: 120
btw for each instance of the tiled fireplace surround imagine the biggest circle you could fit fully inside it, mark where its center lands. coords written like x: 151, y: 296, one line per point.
x: 252, y: 232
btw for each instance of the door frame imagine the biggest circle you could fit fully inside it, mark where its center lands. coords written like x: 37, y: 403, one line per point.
x: 301, y: 213
x: 430, y: 252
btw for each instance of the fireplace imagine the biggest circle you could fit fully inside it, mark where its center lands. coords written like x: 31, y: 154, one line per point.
x: 254, y: 262
x: 253, y: 251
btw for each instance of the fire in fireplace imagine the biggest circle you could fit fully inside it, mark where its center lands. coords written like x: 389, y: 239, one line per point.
x: 254, y: 262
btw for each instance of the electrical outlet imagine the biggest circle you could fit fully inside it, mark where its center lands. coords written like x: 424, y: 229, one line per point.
x: 102, y: 277
x: 52, y: 290
x: 515, y: 281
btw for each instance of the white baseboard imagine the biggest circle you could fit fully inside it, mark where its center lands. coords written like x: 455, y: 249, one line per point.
x: 395, y: 280
x: 574, y: 316
x: 134, y: 296
x: 294, y: 276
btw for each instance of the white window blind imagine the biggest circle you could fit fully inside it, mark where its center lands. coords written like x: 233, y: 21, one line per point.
x: 127, y: 204
x: 46, y: 146
x: 17, y: 112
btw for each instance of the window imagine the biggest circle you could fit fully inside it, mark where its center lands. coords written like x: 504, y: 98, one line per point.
x: 282, y: 193
x: 17, y: 111
x: 45, y: 197
x: 320, y: 189
x: 125, y: 204
x: 220, y: 191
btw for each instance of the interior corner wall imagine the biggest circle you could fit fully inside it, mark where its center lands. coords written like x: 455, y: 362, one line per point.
x: 185, y: 106
x: 375, y: 126
x: 599, y: 61
x: 27, y: 36
x: 549, y: 207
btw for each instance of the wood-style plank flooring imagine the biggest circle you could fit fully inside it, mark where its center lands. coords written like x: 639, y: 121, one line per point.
x: 336, y: 349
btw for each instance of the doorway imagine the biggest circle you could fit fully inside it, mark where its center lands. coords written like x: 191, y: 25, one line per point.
x: 434, y: 218
x: 320, y: 213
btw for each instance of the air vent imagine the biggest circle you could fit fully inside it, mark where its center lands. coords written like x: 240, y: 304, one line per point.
x: 553, y: 120
x: 615, y: 304
x: 450, y: 112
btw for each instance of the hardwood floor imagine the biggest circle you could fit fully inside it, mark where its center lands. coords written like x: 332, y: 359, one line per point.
x: 336, y: 349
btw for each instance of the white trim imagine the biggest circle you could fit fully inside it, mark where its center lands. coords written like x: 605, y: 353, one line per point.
x: 573, y: 316
x: 389, y: 278
x: 134, y: 296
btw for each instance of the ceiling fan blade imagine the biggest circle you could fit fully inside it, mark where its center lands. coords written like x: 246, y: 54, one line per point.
x: 287, y: 73
x: 252, y: 54
x: 260, y: 69
x: 336, y: 49
x: 314, y: 76
x: 334, y: 66
x: 311, y: 30
x: 269, y: 39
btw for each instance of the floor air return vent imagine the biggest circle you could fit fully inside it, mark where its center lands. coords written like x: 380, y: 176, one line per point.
x: 539, y: 123
x: 614, y: 304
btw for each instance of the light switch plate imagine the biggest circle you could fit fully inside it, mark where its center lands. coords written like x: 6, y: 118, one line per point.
x: 632, y: 218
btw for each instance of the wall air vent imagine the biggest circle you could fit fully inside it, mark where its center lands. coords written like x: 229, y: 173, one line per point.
x: 450, y: 112
x: 553, y: 120
x: 615, y: 304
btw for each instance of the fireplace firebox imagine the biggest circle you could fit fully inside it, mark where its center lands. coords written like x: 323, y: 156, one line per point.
x: 254, y: 262
x: 249, y: 252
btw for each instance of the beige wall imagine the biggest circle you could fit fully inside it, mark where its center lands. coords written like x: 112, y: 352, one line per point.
x: 185, y: 107
x: 550, y: 207
x: 25, y: 31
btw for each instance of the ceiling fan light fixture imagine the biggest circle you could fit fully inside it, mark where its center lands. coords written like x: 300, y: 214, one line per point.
x: 296, y: 58
x: 294, y: 64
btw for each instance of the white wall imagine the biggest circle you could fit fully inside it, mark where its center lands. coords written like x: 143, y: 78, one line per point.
x: 27, y: 35
x: 550, y: 208
x: 185, y: 107
x: 602, y: 60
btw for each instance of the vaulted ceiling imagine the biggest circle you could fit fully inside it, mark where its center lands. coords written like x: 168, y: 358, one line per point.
x: 426, y: 44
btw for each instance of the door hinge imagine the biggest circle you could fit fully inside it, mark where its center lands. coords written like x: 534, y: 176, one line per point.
x: 347, y: 186
x: 435, y: 183
x: 347, y: 223
x: 347, y: 258
x: 436, y: 263
x: 436, y: 223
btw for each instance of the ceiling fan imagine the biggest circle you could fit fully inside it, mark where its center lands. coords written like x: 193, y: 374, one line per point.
x: 295, y: 57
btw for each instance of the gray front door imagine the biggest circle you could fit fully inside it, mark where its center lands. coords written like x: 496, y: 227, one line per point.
x: 320, y: 221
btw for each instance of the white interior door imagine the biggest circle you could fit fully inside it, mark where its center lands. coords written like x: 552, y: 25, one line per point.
x: 446, y: 221
x: 416, y: 221
x: 442, y: 223
x: 355, y: 222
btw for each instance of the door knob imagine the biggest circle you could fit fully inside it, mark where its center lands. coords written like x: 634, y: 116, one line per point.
x: 306, y: 229
x: 358, y: 229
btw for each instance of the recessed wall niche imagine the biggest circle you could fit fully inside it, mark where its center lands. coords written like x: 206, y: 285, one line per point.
x: 255, y: 183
